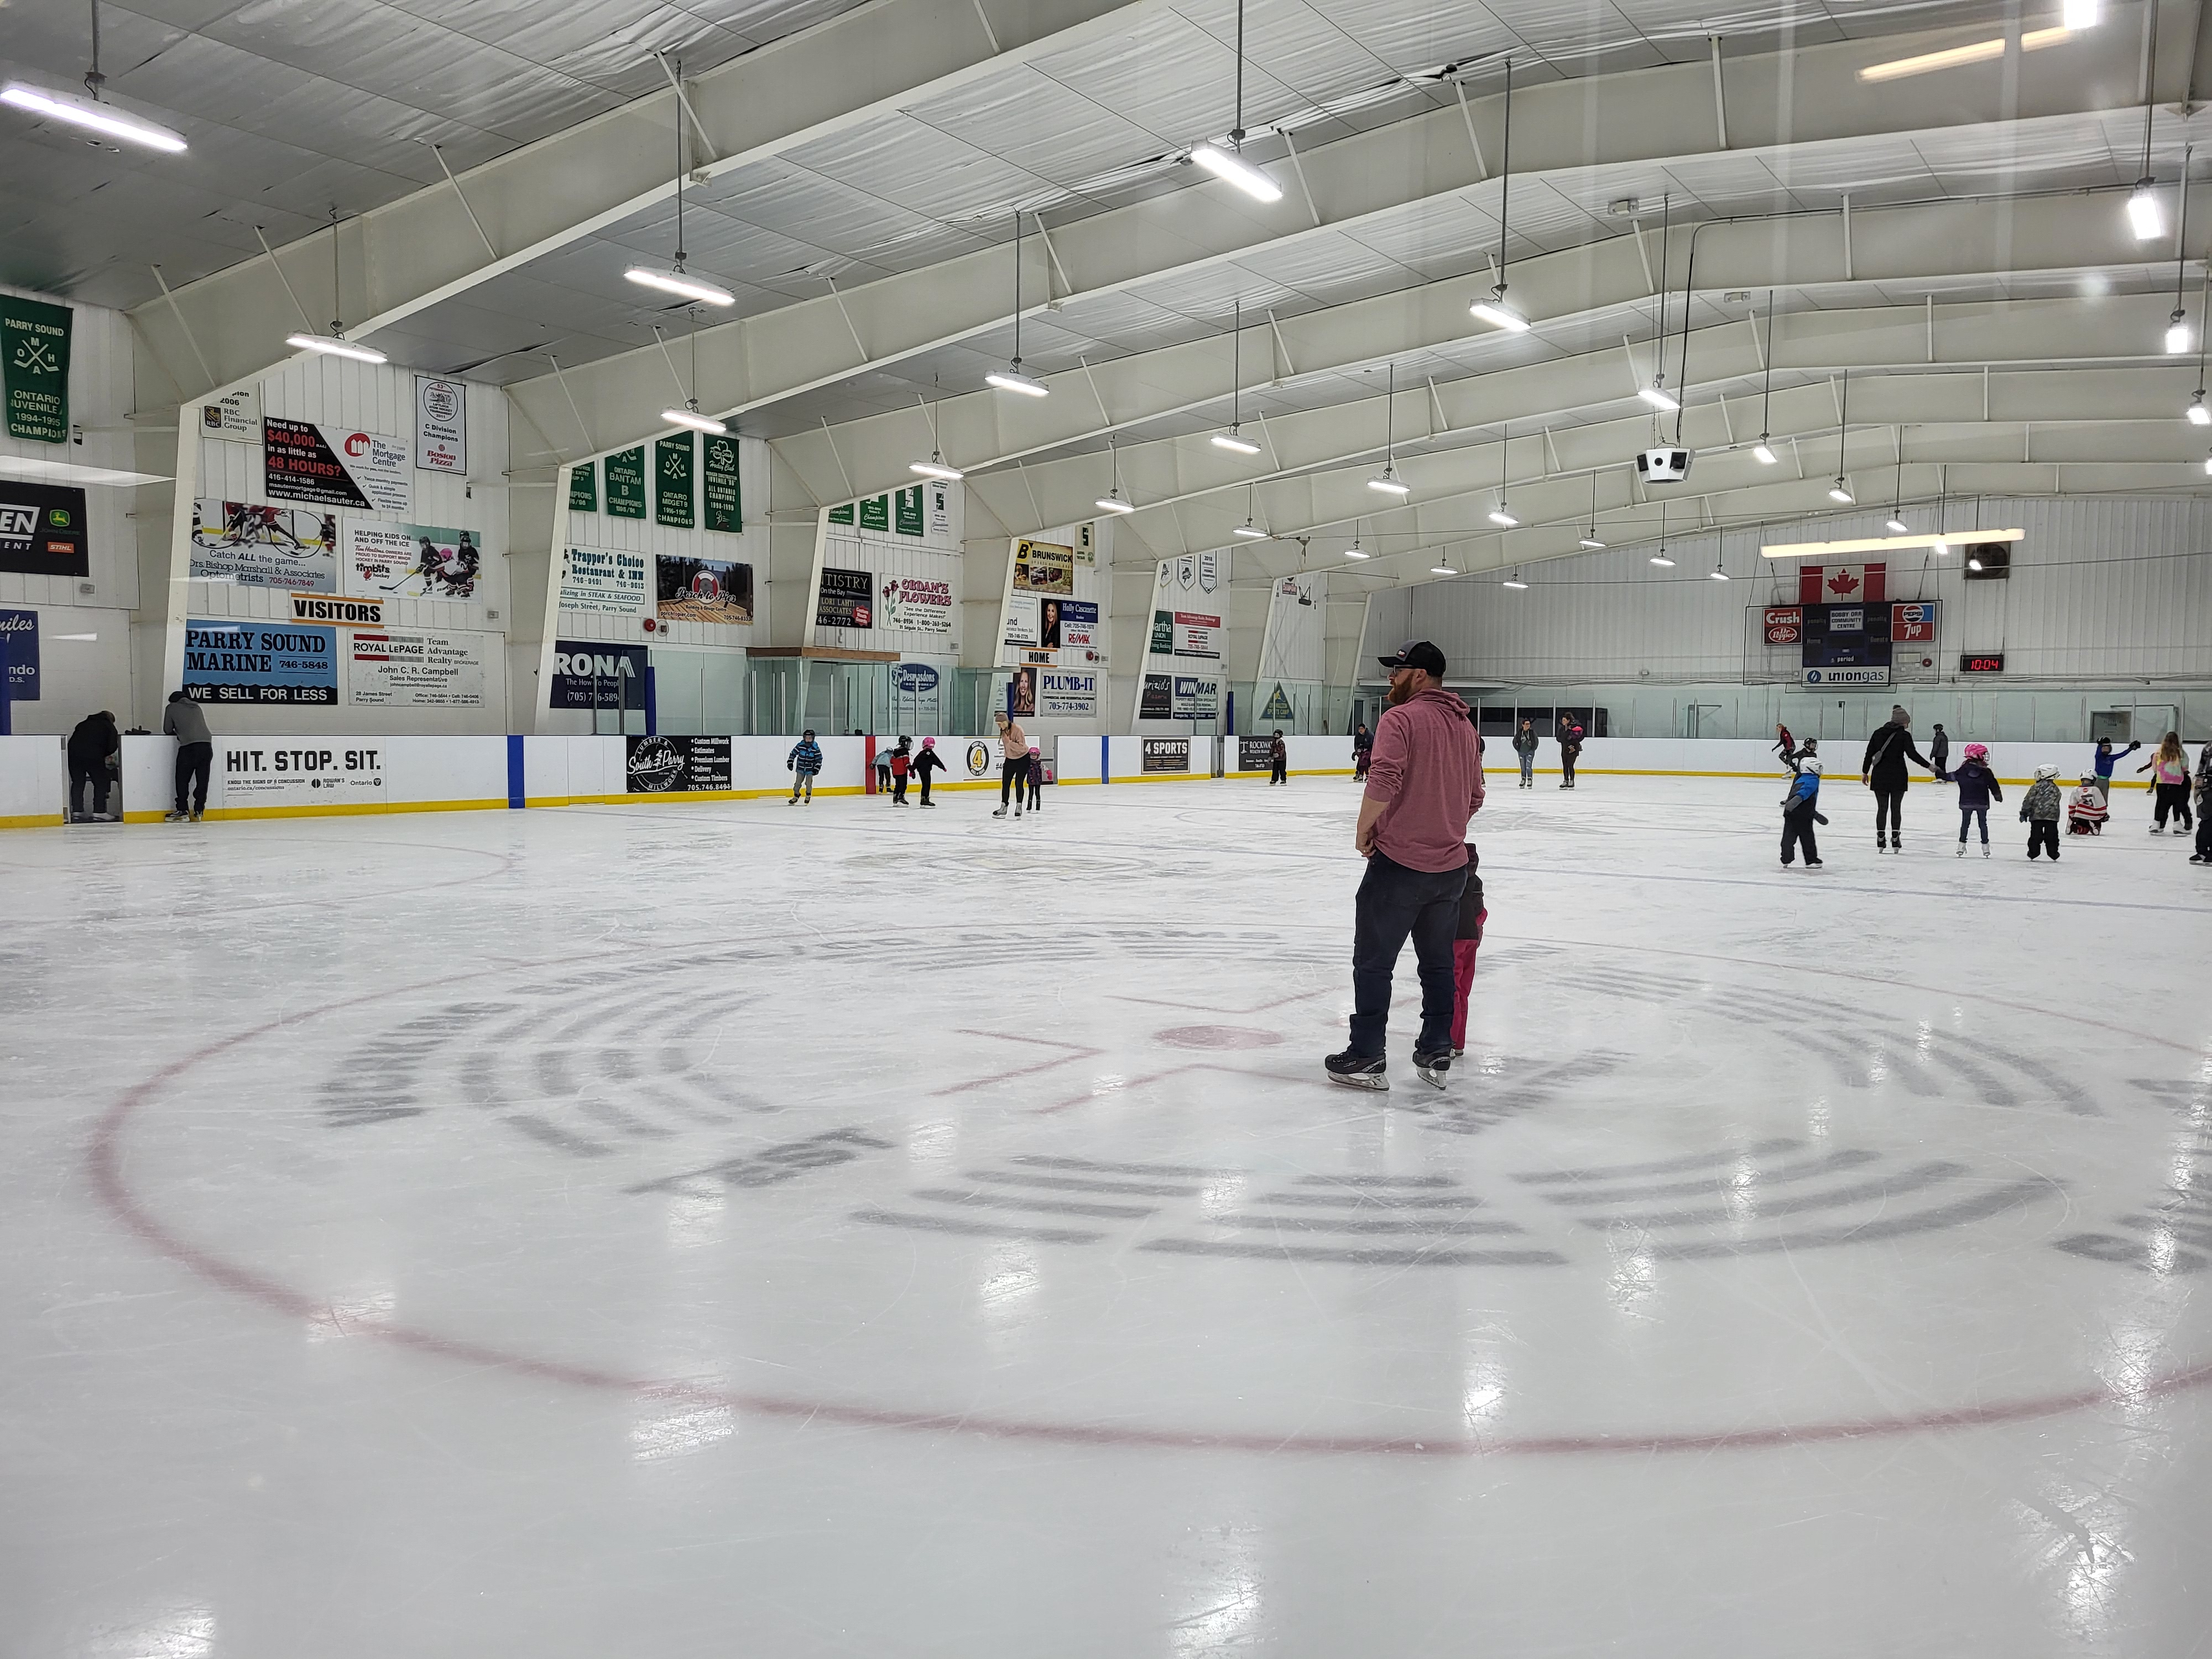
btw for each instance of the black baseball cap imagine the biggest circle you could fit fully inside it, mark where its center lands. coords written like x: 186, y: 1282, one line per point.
x: 1416, y: 654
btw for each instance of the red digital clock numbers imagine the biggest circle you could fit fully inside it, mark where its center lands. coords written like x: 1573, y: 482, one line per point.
x: 1982, y: 662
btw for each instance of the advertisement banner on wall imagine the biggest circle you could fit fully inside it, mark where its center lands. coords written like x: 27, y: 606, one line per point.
x: 257, y: 546
x: 273, y: 772
x: 441, y: 426
x: 845, y: 598
x: 1278, y: 706
x: 1022, y: 620
x: 1191, y: 633
x: 42, y: 530
x: 1067, y: 694
x: 1255, y: 753
x: 1043, y: 567
x: 1913, y: 622
x: 604, y: 579
x: 625, y: 470
x: 718, y: 484
x: 1155, y: 700
x: 330, y: 611
x: 1849, y: 679
x: 672, y: 470
x: 34, y: 362
x: 914, y: 604
x: 420, y: 561
x: 330, y: 466
x: 1785, y: 624
x: 1022, y: 692
x: 704, y: 590
x: 675, y: 766
x: 417, y: 670
x: 1079, y: 627
x: 1167, y: 754
x: 253, y: 662
x: 1196, y: 699
x: 980, y: 757
x: 19, y: 633
x: 590, y: 674
x: 235, y: 415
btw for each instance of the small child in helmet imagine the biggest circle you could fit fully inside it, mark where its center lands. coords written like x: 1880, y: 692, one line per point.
x: 1036, y: 781
x: 926, y: 761
x: 1978, y: 787
x: 2039, y: 810
x: 1800, y: 810
x: 2086, y: 811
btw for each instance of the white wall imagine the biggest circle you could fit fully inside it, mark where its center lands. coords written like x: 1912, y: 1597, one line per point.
x: 77, y: 676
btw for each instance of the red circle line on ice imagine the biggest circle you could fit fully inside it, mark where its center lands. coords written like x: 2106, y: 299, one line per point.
x: 105, y: 1160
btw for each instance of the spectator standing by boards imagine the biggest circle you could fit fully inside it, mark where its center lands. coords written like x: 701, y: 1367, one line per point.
x: 93, y: 747
x: 1571, y: 748
x: 1524, y: 745
x: 183, y: 720
x: 1939, y: 752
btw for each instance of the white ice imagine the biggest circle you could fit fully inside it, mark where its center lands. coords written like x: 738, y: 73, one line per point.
x: 839, y: 1230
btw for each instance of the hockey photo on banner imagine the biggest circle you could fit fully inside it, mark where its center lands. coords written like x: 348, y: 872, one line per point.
x: 255, y: 545
x: 414, y: 560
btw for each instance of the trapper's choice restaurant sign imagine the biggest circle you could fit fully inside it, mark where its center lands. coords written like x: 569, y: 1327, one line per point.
x: 330, y: 466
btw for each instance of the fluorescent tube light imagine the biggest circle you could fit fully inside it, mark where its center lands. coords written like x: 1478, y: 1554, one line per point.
x: 65, y: 472
x: 1657, y: 395
x: 1230, y: 440
x: 1387, y: 482
x: 329, y: 345
x: 1113, y: 503
x: 82, y: 111
x: 1979, y: 51
x: 2145, y: 216
x: 682, y: 283
x: 1661, y: 559
x: 1355, y: 551
x: 1441, y: 570
x: 1504, y: 520
x: 86, y: 639
x: 934, y: 467
x: 1718, y: 575
x: 1250, y: 532
x: 2198, y: 415
x: 1515, y: 582
x: 1495, y: 311
x: 1762, y: 454
x: 1012, y: 379
x: 694, y: 420
x: 2177, y: 336
x: 1593, y: 544
x: 1222, y: 164
x: 2079, y: 14
x: 2208, y: 462
x: 1934, y: 539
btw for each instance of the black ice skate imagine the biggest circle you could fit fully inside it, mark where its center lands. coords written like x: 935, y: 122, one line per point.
x: 1434, y: 1065
x: 1357, y: 1071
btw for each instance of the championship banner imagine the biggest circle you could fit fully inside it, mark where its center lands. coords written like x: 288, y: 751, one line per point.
x: 584, y: 487
x: 906, y: 512
x: 875, y: 512
x: 34, y: 360
x: 1067, y: 694
x: 601, y: 579
x: 677, y: 765
x: 330, y: 466
x: 1831, y: 584
x: 672, y: 472
x: 845, y: 598
x: 417, y: 671
x: 419, y: 561
x: 719, y: 488
x: 913, y: 605
x: 589, y: 674
x: 1043, y: 567
x: 19, y: 633
x: 42, y: 530
x: 257, y: 546
x: 626, y: 483
x: 249, y: 662
x: 704, y: 590
x: 937, y: 500
x: 441, y: 426
x: 1167, y: 754
x: 327, y: 609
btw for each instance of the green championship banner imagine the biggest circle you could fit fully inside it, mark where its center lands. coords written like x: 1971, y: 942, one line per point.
x: 725, y: 507
x: 671, y: 482
x: 875, y: 512
x: 626, y: 483
x: 584, y: 488
x: 34, y: 357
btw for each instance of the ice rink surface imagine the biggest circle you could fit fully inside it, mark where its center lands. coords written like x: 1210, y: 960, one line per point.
x: 746, y: 1230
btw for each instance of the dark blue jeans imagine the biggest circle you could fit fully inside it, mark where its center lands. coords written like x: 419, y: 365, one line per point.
x: 1394, y: 903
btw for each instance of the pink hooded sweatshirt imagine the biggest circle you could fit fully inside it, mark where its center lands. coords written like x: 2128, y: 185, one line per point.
x: 1427, y: 772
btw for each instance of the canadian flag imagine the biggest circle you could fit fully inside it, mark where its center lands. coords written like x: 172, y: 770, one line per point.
x: 1841, y: 584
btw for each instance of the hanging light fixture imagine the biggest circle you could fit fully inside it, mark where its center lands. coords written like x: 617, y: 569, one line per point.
x: 1499, y: 515
x: 687, y: 413
x: 1762, y: 451
x: 1441, y: 570
x: 89, y: 112
x: 334, y: 343
x: 1659, y: 558
x: 1234, y: 439
x: 1355, y: 551
x: 1590, y: 542
x: 1386, y: 481
x: 1494, y: 310
x: 1112, y: 500
x: 2177, y: 326
x: 2145, y: 217
x: 1229, y: 164
x: 1248, y: 530
x: 676, y: 280
x: 935, y: 467
x: 1656, y: 394
x: 1841, y: 489
x: 1011, y: 378
x: 1717, y: 573
x: 1515, y: 582
x: 1897, y: 526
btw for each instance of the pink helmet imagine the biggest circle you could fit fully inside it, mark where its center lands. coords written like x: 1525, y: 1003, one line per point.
x: 1978, y: 751
x: 1034, y: 749
x: 929, y: 743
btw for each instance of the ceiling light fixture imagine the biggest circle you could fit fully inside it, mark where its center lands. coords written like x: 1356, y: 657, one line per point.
x: 2079, y: 13
x: 1593, y: 544
x: 1897, y: 526
x: 1590, y: 542
x: 678, y: 281
x: 1759, y: 451
x: 1249, y: 531
x: 1515, y: 582
x: 1011, y: 378
x: 690, y: 416
x: 89, y: 112
x: 1977, y: 52
x: 2145, y: 216
x: 1935, y: 539
x: 1113, y: 501
x: 2177, y: 325
x: 687, y: 413
x: 2208, y: 462
x: 1355, y: 551
x: 1504, y: 520
x: 1659, y: 558
x: 935, y: 467
x: 1386, y: 481
x: 1494, y: 310
x: 1230, y: 441
x: 1717, y: 573
x: 1841, y: 489
x: 334, y: 343
x: 1656, y: 394
x: 1441, y: 570
x: 1501, y: 515
x: 1233, y: 439
x: 1762, y: 454
x: 1229, y: 164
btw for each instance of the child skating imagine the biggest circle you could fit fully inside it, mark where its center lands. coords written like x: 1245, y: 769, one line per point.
x: 901, y: 765
x: 1978, y: 787
x: 2203, y: 787
x: 804, y: 763
x: 1036, y: 781
x: 2169, y: 770
x: 2039, y: 810
x: 2086, y: 811
x: 1801, y: 811
x: 1467, y: 940
x: 926, y: 761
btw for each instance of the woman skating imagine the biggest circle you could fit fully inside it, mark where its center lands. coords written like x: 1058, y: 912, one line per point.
x: 1883, y: 770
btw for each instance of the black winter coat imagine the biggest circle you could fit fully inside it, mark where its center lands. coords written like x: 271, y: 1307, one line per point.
x: 1886, y: 751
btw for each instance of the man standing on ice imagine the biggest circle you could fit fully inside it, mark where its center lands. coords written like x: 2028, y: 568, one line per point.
x: 1424, y: 783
